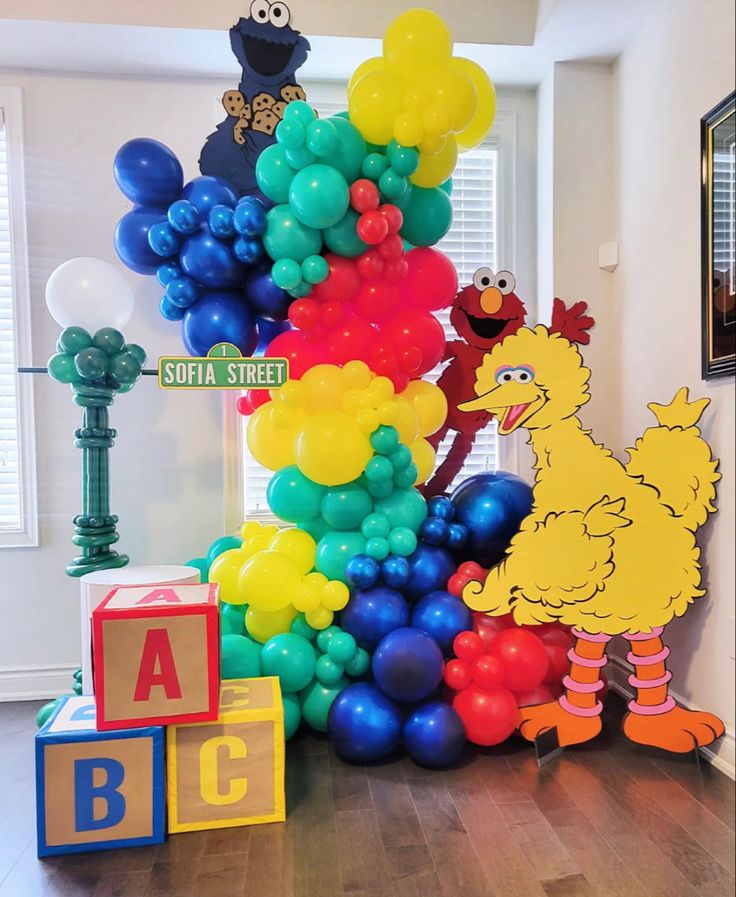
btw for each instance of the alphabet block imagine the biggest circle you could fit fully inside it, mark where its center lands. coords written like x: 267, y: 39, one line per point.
x: 229, y: 772
x: 97, y: 791
x: 156, y: 652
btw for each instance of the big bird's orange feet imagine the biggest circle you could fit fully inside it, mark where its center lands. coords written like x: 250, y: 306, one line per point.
x: 677, y: 730
x: 571, y: 728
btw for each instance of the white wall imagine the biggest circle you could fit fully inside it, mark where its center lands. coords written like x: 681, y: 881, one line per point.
x: 678, y: 67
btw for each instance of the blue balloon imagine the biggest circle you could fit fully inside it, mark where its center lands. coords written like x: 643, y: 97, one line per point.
x: 407, y: 665
x: 248, y: 251
x: 395, y: 571
x: 205, y: 192
x: 250, y: 217
x: 267, y: 333
x: 183, y: 216
x: 434, y: 735
x: 434, y: 531
x: 441, y: 506
x: 148, y: 173
x: 221, y: 221
x: 457, y: 536
x: 163, y: 239
x: 491, y: 506
x: 182, y: 291
x: 167, y: 272
x: 372, y: 614
x: 131, y: 239
x: 363, y: 724
x: 218, y: 318
x: 362, y: 571
x: 429, y: 569
x: 265, y: 298
x: 442, y: 616
x: 170, y: 311
x: 209, y: 261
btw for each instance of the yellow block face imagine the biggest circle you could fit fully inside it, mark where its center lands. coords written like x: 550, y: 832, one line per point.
x: 229, y: 772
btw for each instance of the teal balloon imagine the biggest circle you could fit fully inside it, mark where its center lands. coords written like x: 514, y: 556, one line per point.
x: 124, y: 368
x: 287, y: 237
x: 274, y: 174
x: 358, y: 665
x: 322, y: 137
x: 45, y: 712
x: 316, y: 701
x: 201, y: 564
x: 350, y: 152
x: 325, y: 637
x: 299, y: 626
x: 404, y: 507
x: 227, y: 628
x: 62, y: 368
x: 319, y: 196
x: 315, y: 269
x: 385, y: 440
x: 291, y: 134
x: 235, y: 616
x: 427, y: 215
x: 72, y: 340
x: 378, y: 548
x: 342, y: 238
x: 110, y: 340
x: 301, y: 111
x: 374, y: 166
x: 91, y: 363
x: 240, y: 657
x: 292, y: 714
x: 300, y: 157
x: 375, y: 526
x: 345, y: 507
x: 404, y: 159
x: 393, y: 186
x: 328, y: 671
x: 294, y: 497
x: 286, y: 274
x: 290, y: 657
x: 402, y: 541
x: 342, y: 647
x: 138, y: 351
x: 316, y: 528
x: 447, y: 186
x: 335, y: 549
x: 224, y: 543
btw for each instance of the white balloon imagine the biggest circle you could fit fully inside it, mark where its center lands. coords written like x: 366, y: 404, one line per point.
x: 90, y: 293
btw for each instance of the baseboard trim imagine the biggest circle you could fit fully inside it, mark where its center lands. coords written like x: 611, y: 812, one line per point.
x: 723, y: 757
x: 35, y: 683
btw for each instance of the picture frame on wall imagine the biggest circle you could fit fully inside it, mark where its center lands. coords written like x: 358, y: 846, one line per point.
x: 718, y: 235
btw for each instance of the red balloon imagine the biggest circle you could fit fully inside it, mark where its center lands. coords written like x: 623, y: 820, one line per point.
x: 489, y: 627
x: 539, y: 695
x: 332, y: 314
x: 354, y: 340
x: 364, y: 195
x: 395, y: 270
x: 457, y: 674
x: 377, y: 300
x: 394, y: 218
x: 423, y: 331
x: 431, y: 279
x: 467, y: 646
x: 244, y: 406
x: 301, y: 354
x: 552, y: 634
x: 372, y: 228
x: 488, y: 672
x: 523, y: 656
x: 391, y: 248
x: 559, y: 664
x: 341, y: 284
x: 304, y: 313
x: 489, y: 717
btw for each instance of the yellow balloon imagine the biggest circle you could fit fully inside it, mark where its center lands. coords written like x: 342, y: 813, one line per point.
x: 262, y: 625
x: 375, y: 103
x: 325, y: 386
x: 309, y: 597
x: 430, y: 404
x: 370, y: 65
x: 269, y: 581
x: 453, y: 90
x: 331, y: 449
x: 407, y: 422
x: 319, y: 618
x: 409, y: 128
x: 424, y: 458
x: 356, y: 374
x: 225, y: 571
x: 270, y: 446
x: 435, y: 169
x: 418, y: 39
x: 298, y: 545
x: 481, y: 122
x: 335, y: 595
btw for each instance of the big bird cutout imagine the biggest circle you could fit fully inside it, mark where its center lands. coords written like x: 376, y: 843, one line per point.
x: 608, y: 548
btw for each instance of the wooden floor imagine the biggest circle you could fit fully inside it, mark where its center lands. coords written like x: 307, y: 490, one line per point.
x: 604, y: 821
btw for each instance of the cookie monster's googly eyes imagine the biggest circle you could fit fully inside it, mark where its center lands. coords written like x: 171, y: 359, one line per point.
x: 523, y: 374
x: 483, y: 278
x: 505, y: 281
x: 504, y: 375
x: 279, y: 15
x: 260, y: 11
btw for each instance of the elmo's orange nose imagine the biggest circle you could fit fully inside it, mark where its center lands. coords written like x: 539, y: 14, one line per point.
x: 490, y: 300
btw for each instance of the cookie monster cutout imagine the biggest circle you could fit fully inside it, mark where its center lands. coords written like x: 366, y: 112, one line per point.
x: 269, y: 51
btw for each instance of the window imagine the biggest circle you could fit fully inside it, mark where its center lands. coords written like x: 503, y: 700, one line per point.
x: 18, y: 518
x: 473, y: 241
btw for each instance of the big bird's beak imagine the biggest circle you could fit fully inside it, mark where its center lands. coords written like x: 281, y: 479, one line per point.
x: 511, y: 403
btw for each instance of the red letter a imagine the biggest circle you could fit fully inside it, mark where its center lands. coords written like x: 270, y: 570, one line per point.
x: 157, y: 652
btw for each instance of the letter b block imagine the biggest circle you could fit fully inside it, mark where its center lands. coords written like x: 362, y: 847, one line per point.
x: 97, y: 791
x: 156, y: 656
x: 229, y: 772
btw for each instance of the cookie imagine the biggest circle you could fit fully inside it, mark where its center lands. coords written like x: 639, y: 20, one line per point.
x: 239, y: 131
x: 265, y: 121
x: 278, y: 109
x: 234, y: 102
x: 262, y: 101
x: 293, y: 92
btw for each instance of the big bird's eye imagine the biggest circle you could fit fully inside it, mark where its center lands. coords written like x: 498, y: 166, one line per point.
x: 279, y: 15
x: 523, y: 374
x: 504, y: 375
x: 483, y: 278
x: 259, y: 11
x: 505, y: 281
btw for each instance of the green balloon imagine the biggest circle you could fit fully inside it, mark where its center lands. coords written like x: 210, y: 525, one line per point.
x: 395, y: 187
x: 235, y: 616
x: 301, y: 111
x: 290, y: 657
x: 201, y: 564
x: 125, y: 368
x: 240, y: 657
x: 385, y: 440
x: 316, y: 701
x: 227, y: 628
x: 404, y: 159
x: 374, y: 166
x: 224, y: 543
x: 315, y: 269
x: 319, y: 196
x: 447, y: 186
x: 138, y: 351
x: 300, y: 157
x: 341, y: 647
x: 325, y: 637
x: 359, y: 664
x: 378, y: 548
x: 293, y: 496
x: 328, y: 671
x: 299, y: 626
x: 322, y: 137
x: 342, y: 238
x: 91, y: 363
x: 375, y: 526
x: 287, y: 237
x: 62, y: 368
x: 335, y: 550
x: 402, y: 541
x: 274, y: 174
x: 45, y: 712
x: 316, y: 528
x: 291, y: 134
x: 407, y: 476
x: 292, y: 714
x: 427, y: 215
x: 345, y: 507
x: 72, y: 340
x: 351, y: 149
x: 286, y: 274
x: 404, y: 507
x: 110, y: 340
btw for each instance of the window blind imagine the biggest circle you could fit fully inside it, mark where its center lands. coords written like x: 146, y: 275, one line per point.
x: 471, y: 243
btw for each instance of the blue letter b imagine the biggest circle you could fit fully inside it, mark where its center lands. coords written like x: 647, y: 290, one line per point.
x: 85, y: 792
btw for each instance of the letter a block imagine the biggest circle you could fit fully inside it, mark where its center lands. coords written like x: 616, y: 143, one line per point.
x: 229, y: 772
x: 97, y: 791
x: 156, y: 656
